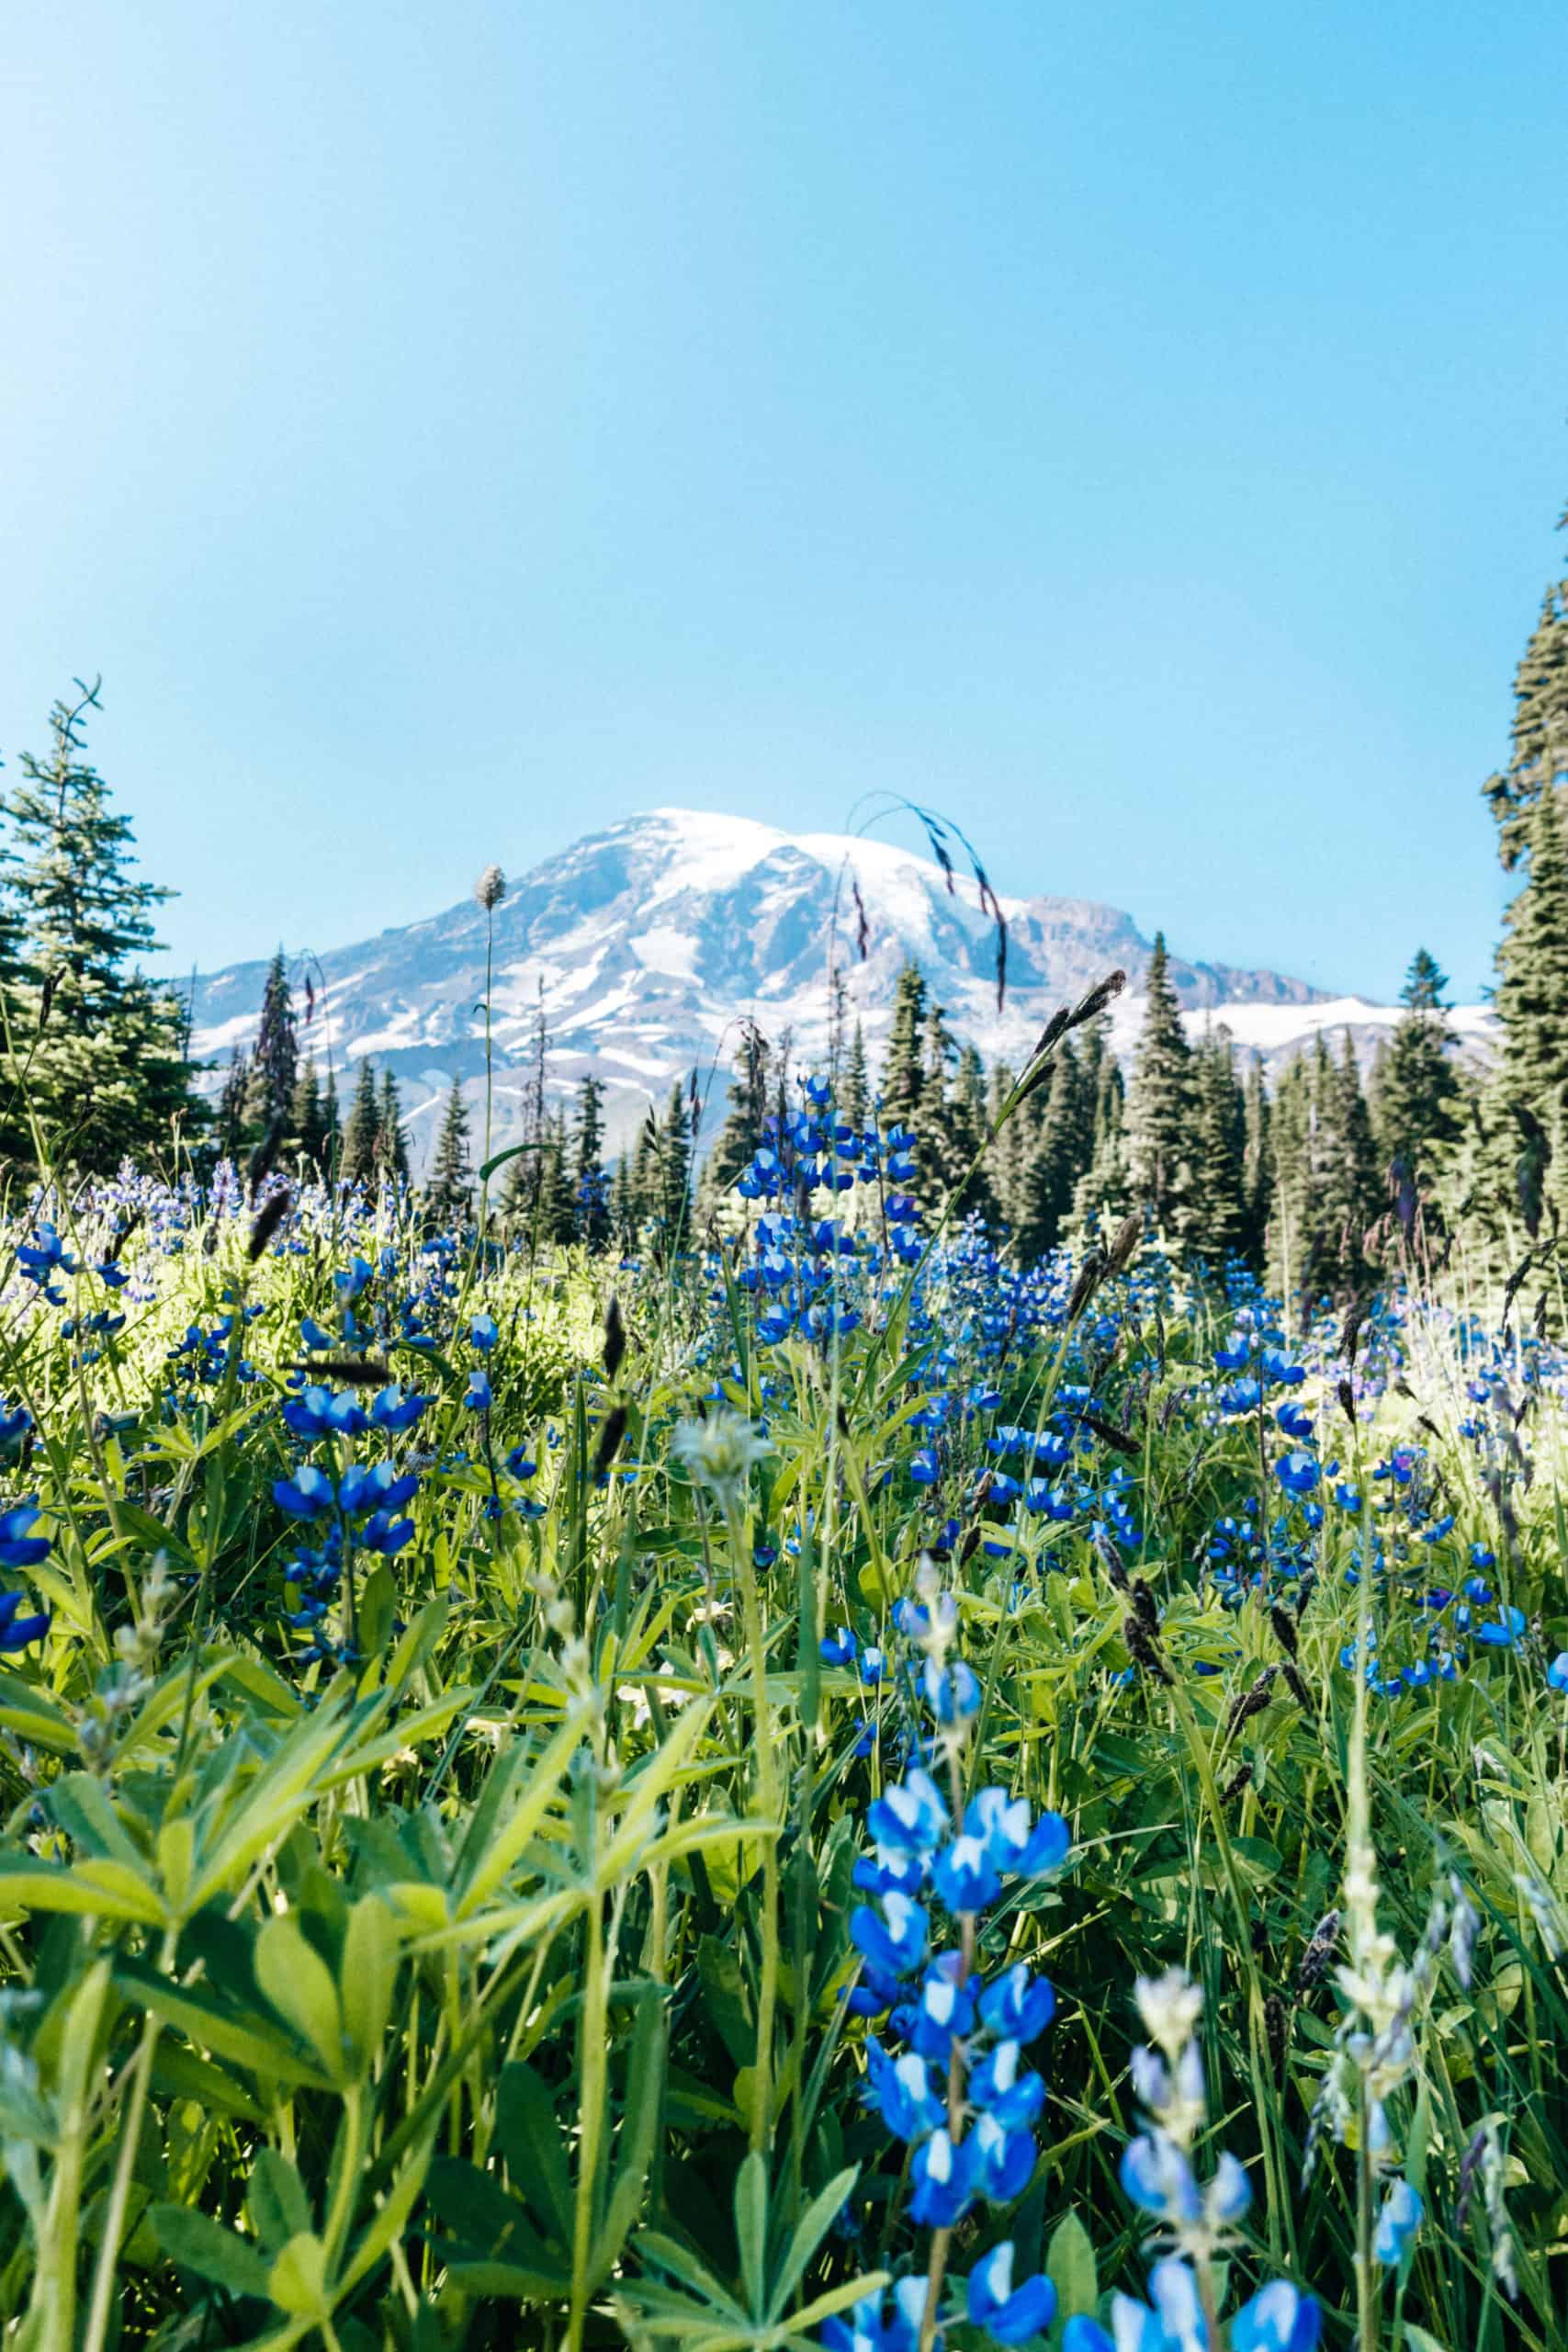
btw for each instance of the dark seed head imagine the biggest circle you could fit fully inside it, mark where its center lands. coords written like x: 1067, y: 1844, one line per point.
x: 269, y: 1217
x: 615, y: 1337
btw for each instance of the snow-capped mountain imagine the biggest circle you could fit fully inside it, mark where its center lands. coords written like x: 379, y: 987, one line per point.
x: 644, y: 944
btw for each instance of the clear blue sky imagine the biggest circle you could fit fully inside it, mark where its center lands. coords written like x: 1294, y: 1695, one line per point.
x: 448, y: 427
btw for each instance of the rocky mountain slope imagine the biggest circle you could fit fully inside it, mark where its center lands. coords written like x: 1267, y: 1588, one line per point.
x: 643, y: 944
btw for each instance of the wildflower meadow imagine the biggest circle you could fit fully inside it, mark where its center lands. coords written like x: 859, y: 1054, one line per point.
x: 798, y: 1785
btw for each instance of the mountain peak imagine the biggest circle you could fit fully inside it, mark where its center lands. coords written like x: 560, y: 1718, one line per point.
x: 645, y: 944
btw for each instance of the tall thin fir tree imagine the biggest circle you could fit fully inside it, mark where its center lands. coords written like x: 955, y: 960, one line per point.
x: 1159, y: 1104
x: 1292, y: 1144
x: 674, y: 1156
x: 740, y: 1137
x: 305, y: 1116
x: 230, y: 1119
x: 1216, y: 1217
x: 364, y: 1126
x: 1059, y: 1153
x: 93, y: 1047
x: 593, y: 1216
x: 275, y: 1058
x: 449, y: 1196
x: 1345, y: 1195
x: 1258, y: 1159
x: 854, y: 1093
x: 1099, y: 1197
x: 1415, y: 1095
x: 1531, y: 1002
x: 1538, y: 762
x: 391, y: 1142
x: 904, y: 1068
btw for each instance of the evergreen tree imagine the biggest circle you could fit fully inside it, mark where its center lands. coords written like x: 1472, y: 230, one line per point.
x: 391, y: 1144
x: 275, y: 1058
x: 1344, y: 1195
x: 591, y: 1206
x: 740, y: 1137
x: 1217, y: 1210
x: 364, y: 1126
x: 231, y: 1121
x: 1159, y: 1105
x: 1531, y: 1000
x: 559, y: 1199
x: 97, y: 1047
x: 1538, y: 765
x: 904, y: 1070
x: 1258, y: 1160
x: 1101, y: 1191
x: 644, y: 1188
x: 1060, y: 1148
x: 449, y: 1193
x: 306, y: 1120
x: 854, y: 1093
x: 674, y: 1172
x: 332, y: 1128
x: 1414, y: 1092
x: 1291, y: 1133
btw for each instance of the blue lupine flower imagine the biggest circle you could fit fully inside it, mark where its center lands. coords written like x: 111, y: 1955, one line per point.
x: 941, y: 2014
x: 375, y: 1486
x: 1398, y: 2221
x: 1009, y: 2315
x: 896, y: 1944
x: 943, y: 2175
x: 1505, y: 1634
x: 521, y: 1464
x: 307, y: 1495
x: 1003, y: 2160
x: 1156, y: 2177
x: 16, y: 1632
x: 900, y: 2090
x: 351, y: 1280
x: 1297, y: 1473
x: 316, y: 1412
x: 1017, y: 2005
x: 1293, y: 1421
x: 909, y: 1814
x: 394, y: 1412
x: 478, y: 1395
x: 1279, y: 2318
x: 995, y: 2083
x: 1557, y: 1673
x: 14, y: 1424
x: 313, y: 1334
x: 964, y: 1875
x: 19, y: 1548
x: 483, y: 1332
x: 893, y: 1870
x: 385, y: 1534
x: 924, y: 1467
x: 838, y: 1648
x: 952, y: 1692
x: 873, y: 1664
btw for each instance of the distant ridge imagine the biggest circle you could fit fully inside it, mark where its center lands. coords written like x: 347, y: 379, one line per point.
x: 647, y: 942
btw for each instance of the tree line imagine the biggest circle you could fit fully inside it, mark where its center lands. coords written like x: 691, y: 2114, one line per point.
x: 1306, y: 1178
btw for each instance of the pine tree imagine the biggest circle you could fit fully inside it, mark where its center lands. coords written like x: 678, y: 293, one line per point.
x: 1538, y: 765
x: 230, y: 1119
x: 674, y: 1179
x: 1291, y: 1129
x: 1415, y: 1095
x: 391, y: 1145
x: 1159, y: 1106
x: 1060, y: 1148
x: 449, y: 1193
x: 97, y: 1047
x: 1258, y: 1160
x: 1217, y: 1212
x: 1345, y: 1194
x: 331, y: 1129
x: 559, y: 1199
x: 275, y: 1058
x: 306, y: 1122
x: 593, y: 1217
x: 904, y: 1069
x: 1531, y: 1000
x: 1101, y: 1191
x: 364, y: 1124
x: 854, y: 1093
x: 741, y: 1138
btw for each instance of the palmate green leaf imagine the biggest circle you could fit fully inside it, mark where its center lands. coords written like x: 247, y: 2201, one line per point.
x: 669, y: 2253
x: 197, y: 2243
x: 278, y: 1795
x: 530, y: 2139
x: 81, y: 1807
x: 297, y: 2280
x: 544, y: 1775
x: 752, y: 2229
x: 810, y: 2230
x: 513, y: 2280
x: 371, y: 1956
x: 1071, y: 2269
x: 178, y: 2073
x: 110, y: 1890
x: 274, y: 2063
x: 279, y: 2208
x: 298, y: 1983
x: 32, y: 1715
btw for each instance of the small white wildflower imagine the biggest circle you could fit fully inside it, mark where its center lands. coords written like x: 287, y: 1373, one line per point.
x: 1170, y: 2007
x: 719, y: 1453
